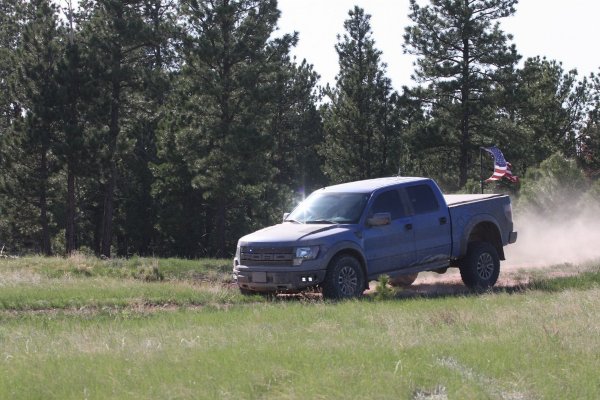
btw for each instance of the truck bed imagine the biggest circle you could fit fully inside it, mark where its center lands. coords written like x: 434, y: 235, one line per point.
x: 467, y: 209
x: 456, y: 199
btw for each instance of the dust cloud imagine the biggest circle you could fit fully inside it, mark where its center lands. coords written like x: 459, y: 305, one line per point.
x: 560, y: 237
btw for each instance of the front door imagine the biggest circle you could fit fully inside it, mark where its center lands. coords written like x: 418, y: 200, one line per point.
x: 389, y: 247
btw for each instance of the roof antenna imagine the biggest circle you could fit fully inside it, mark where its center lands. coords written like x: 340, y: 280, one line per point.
x: 399, y: 171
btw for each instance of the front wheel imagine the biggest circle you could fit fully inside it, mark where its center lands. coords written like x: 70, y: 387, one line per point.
x: 481, y: 266
x: 344, y: 278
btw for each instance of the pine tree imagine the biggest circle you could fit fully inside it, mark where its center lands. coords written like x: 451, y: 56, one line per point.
x: 72, y: 147
x: 229, y: 58
x: 38, y: 59
x: 361, y: 124
x: 463, y: 55
x: 10, y: 116
x: 295, y: 128
x: 10, y: 15
x: 551, y: 107
x: 181, y: 223
x: 589, y: 138
x: 116, y: 38
x: 136, y: 218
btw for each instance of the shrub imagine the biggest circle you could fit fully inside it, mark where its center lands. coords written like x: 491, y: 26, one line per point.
x: 383, y: 291
x: 556, y: 184
x: 149, y: 273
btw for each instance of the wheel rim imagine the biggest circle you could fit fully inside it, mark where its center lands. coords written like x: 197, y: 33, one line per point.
x: 347, y: 281
x: 485, y: 266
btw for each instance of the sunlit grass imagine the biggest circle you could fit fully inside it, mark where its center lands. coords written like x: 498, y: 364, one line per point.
x: 582, y: 281
x: 38, y: 283
x: 67, y: 335
x: 79, y: 265
x: 489, y: 346
x: 110, y: 292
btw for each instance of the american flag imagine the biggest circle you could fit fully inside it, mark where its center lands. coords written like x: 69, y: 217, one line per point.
x: 502, y: 168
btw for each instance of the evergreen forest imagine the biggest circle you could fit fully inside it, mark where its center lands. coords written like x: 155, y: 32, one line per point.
x: 173, y: 127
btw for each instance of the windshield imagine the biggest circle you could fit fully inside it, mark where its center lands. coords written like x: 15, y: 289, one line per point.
x: 330, y: 208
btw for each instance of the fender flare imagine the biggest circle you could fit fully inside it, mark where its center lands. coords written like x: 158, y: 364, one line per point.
x: 350, y: 247
x: 470, y: 227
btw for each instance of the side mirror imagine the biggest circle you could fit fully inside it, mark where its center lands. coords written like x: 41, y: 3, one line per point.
x: 285, y: 215
x: 380, y: 219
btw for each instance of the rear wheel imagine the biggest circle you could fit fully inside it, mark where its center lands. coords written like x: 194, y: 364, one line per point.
x: 344, y: 278
x: 481, y: 266
x: 403, y: 280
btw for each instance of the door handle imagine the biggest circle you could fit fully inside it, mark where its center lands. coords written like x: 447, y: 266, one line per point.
x: 443, y: 221
x: 408, y: 227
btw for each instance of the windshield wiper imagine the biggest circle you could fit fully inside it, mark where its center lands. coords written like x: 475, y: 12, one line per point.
x: 293, y: 220
x: 320, y: 221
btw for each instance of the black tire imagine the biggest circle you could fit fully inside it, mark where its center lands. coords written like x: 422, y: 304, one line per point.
x: 404, y: 280
x: 481, y: 266
x: 344, y: 279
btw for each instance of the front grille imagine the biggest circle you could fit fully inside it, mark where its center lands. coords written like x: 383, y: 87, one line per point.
x: 255, y: 256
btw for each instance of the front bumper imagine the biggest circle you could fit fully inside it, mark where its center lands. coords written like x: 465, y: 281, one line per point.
x: 268, y: 279
x: 512, y: 237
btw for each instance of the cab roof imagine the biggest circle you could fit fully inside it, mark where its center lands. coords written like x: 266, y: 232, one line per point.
x: 370, y: 185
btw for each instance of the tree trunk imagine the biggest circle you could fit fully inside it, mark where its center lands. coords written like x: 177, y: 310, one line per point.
x: 70, y: 245
x: 463, y: 166
x: 114, y: 129
x: 46, y: 247
x: 107, y: 215
x: 220, y: 229
x: 225, y: 130
x: 97, y: 218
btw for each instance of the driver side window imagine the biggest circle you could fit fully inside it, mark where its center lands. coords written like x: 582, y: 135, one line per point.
x: 388, y: 202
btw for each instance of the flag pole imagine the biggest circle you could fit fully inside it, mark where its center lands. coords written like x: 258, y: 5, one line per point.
x: 481, y: 168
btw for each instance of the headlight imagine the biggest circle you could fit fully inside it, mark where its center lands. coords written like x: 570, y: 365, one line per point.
x: 305, y: 253
x: 236, y: 259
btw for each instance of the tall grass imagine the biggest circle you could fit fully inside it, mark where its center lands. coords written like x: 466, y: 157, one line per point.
x: 79, y: 265
x: 110, y: 292
x: 38, y: 283
x: 534, y: 345
x: 67, y: 335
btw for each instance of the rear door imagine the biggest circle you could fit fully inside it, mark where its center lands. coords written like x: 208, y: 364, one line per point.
x: 389, y: 247
x: 431, y: 224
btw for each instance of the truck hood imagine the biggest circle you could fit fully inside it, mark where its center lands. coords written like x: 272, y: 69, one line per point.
x: 283, y: 234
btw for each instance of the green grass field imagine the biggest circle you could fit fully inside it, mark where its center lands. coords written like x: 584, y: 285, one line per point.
x: 83, y: 328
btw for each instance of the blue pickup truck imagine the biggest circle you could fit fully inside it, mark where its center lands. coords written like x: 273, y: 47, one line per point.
x: 343, y: 236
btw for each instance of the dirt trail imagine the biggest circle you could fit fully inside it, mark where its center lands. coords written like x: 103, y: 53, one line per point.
x: 513, y: 275
x: 545, y: 247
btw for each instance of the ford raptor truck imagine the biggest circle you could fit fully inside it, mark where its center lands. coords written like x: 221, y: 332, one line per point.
x: 343, y: 236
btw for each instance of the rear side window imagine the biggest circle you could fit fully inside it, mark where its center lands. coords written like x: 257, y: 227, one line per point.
x: 389, y: 202
x: 422, y: 199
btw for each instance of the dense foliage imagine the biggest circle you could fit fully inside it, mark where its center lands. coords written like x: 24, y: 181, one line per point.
x: 464, y: 61
x: 171, y: 128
